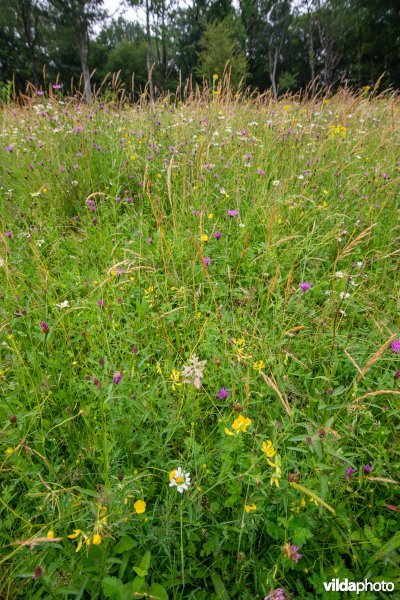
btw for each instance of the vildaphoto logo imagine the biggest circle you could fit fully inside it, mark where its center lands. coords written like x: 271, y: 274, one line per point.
x: 335, y: 585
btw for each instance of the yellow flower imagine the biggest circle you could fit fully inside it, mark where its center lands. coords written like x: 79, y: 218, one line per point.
x: 140, y: 507
x: 96, y: 541
x: 215, y: 76
x: 228, y: 431
x: 74, y: 535
x: 50, y: 534
x: 133, y: 157
x: 211, y: 216
x: 9, y: 451
x: 241, y: 423
x: 204, y: 237
x: 258, y: 366
x: 268, y: 449
x: 158, y: 369
x: 248, y: 508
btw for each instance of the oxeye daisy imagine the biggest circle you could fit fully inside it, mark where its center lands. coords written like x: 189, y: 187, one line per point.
x: 179, y: 479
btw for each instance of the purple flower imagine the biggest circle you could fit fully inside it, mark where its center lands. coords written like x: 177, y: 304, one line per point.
x: 100, y: 303
x: 45, y: 327
x: 149, y: 241
x: 56, y: 86
x: 232, y: 213
x: 223, y: 393
x: 292, y: 552
x: 397, y: 375
x: 217, y: 235
x: 305, y: 286
x: 395, y: 346
x: 349, y: 472
x: 40, y: 93
x: 8, y: 234
x: 367, y: 469
x: 9, y: 148
x: 260, y: 172
x: 206, y: 260
x: 278, y: 594
x: 117, y: 377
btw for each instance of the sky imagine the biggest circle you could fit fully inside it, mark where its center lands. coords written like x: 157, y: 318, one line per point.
x: 116, y: 9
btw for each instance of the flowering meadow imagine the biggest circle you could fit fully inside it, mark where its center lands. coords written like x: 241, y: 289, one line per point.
x: 200, y: 347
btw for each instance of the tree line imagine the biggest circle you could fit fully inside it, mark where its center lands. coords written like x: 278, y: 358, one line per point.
x: 279, y: 44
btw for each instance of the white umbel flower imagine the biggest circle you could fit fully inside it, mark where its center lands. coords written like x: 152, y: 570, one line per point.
x: 179, y: 479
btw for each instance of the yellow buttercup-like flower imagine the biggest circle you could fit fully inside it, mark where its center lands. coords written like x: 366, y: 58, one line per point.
x: 96, y: 541
x: 250, y: 508
x: 204, y: 237
x: 140, y: 507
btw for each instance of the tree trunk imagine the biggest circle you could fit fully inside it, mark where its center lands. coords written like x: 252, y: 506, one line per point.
x: 84, y: 52
x: 30, y: 36
x: 149, y: 53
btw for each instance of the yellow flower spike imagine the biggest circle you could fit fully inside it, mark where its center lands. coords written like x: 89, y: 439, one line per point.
x: 140, y: 507
x: 248, y: 508
x: 96, y: 541
x: 50, y: 534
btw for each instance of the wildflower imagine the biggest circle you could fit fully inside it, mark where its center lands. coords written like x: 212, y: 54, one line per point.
x: 241, y: 424
x: 268, y: 449
x: 179, y: 479
x: 228, y: 431
x: 232, y: 213
x: 305, y: 286
x: 56, y: 86
x: 96, y: 541
x: 260, y: 171
x: 395, y: 346
x: 193, y: 372
x: 276, y: 183
x: 217, y: 235
x: 278, y: 594
x: 50, y: 534
x: 344, y: 295
x: 38, y: 572
x: 204, y: 237
x: 100, y: 303
x: 223, y: 393
x: 140, y: 507
x: 238, y: 345
x: 117, y: 377
x: 45, y: 327
x: 215, y: 76
x: 175, y: 378
x: 349, y: 472
x: 80, y: 536
x: 207, y: 261
x: 63, y: 304
x: 9, y: 148
x: 9, y: 234
x: 397, y: 375
x: 292, y: 552
x: 210, y: 216
x: 276, y: 476
x: 250, y: 508
x: 258, y: 366
x: 367, y: 469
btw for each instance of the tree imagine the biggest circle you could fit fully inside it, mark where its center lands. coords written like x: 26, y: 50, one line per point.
x: 80, y: 15
x: 219, y: 48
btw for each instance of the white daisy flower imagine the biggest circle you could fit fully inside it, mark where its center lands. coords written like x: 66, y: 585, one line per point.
x: 179, y: 479
x: 344, y: 295
x: 63, y: 304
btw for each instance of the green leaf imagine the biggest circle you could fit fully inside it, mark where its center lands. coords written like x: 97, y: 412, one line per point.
x: 220, y: 589
x: 158, y: 591
x: 389, y: 546
x: 125, y: 543
x: 112, y: 587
